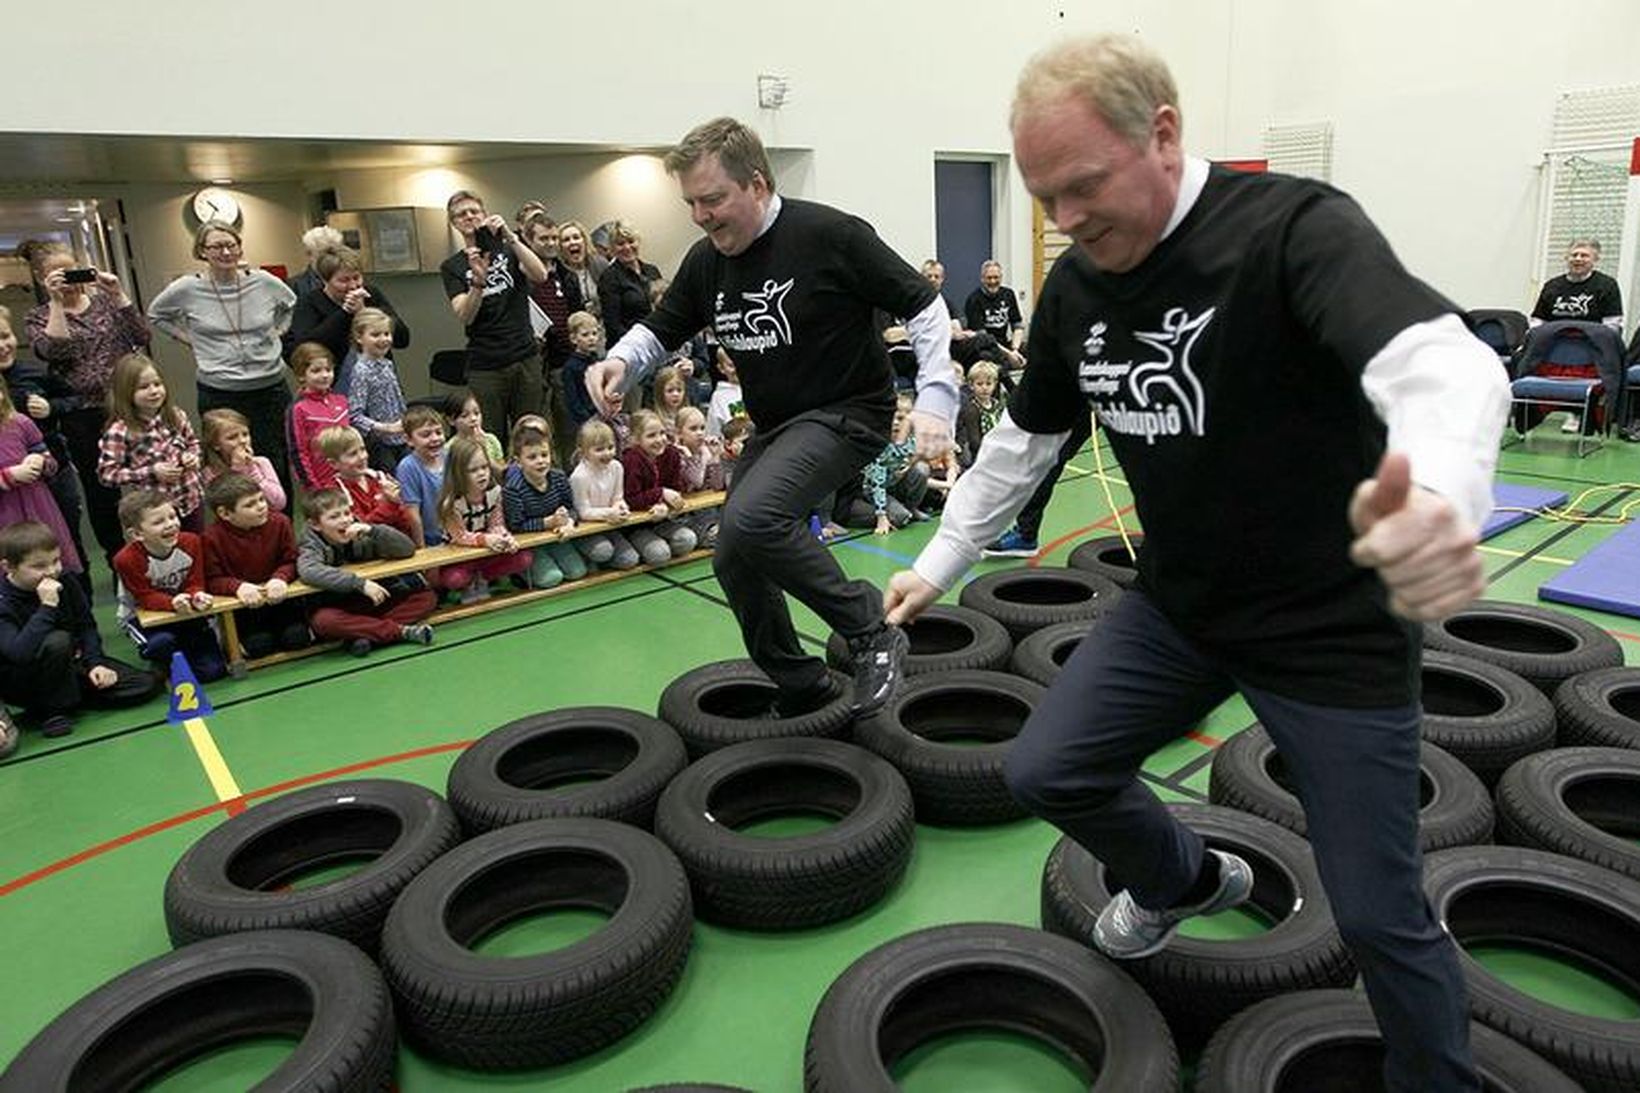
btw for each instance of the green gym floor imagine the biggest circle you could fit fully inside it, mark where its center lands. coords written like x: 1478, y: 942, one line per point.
x: 91, y: 824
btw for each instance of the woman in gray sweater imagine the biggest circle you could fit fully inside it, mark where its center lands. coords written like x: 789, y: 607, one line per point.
x: 233, y: 318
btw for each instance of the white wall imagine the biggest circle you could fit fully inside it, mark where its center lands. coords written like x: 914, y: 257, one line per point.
x: 1439, y: 108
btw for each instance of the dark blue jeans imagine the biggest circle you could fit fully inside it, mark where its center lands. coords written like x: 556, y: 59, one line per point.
x: 1137, y: 683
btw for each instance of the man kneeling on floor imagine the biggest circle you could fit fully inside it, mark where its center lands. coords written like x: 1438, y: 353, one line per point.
x: 361, y: 612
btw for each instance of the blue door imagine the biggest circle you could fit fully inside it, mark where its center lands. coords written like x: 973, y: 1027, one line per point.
x: 962, y: 224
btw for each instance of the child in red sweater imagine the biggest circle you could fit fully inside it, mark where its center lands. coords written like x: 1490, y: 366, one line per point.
x: 250, y: 554
x: 652, y: 474
x: 316, y: 408
x: 162, y: 568
x: 375, y: 494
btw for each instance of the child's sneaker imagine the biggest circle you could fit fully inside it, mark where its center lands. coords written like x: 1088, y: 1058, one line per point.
x: 475, y: 592
x: 359, y: 647
x: 420, y: 633
x: 1127, y: 931
x: 57, y: 725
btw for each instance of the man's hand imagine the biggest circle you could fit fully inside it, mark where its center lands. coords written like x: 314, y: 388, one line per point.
x: 1422, y: 549
x: 933, y: 434
x: 603, y: 380
x: 906, y: 597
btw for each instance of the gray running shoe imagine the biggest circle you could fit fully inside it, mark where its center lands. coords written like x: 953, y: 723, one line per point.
x: 1126, y: 931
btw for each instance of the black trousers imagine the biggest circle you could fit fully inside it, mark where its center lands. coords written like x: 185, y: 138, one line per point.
x: 1029, y: 520
x: 265, y: 408
x: 56, y: 681
x: 83, y: 431
x: 1136, y: 684
x: 765, y: 550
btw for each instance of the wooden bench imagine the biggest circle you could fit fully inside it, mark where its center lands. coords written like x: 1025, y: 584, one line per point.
x: 428, y: 558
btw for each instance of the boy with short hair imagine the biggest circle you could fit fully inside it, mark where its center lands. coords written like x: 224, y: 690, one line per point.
x: 250, y: 554
x: 361, y: 612
x: 421, y: 474
x: 736, y: 432
x: 162, y: 568
x: 51, y: 655
x: 375, y: 495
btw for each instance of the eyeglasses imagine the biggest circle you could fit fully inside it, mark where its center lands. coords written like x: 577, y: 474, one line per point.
x: 220, y: 246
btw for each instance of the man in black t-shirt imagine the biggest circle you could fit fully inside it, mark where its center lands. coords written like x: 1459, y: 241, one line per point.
x: 994, y: 308
x: 790, y: 287
x: 489, y: 290
x: 1582, y: 293
x: 1273, y: 383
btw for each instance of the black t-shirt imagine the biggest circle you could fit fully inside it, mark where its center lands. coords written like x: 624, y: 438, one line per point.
x: 1226, y: 371
x: 996, y: 313
x: 794, y: 310
x: 1592, y: 299
x: 500, y: 332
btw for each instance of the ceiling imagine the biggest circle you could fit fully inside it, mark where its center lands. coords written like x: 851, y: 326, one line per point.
x: 57, y: 158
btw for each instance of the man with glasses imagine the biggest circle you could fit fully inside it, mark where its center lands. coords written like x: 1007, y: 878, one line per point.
x: 488, y: 282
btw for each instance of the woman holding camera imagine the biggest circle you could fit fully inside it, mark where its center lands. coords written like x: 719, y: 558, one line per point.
x: 233, y: 319
x: 86, y: 324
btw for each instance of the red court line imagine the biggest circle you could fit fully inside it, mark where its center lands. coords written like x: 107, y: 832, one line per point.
x: 1107, y: 522
x: 1625, y: 637
x: 233, y: 808
x: 1203, y: 738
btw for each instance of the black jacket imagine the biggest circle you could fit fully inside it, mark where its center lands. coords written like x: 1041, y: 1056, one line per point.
x: 624, y: 296
x: 318, y: 318
x: 24, y: 623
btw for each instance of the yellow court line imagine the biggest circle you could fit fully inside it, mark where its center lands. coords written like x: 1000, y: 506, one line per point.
x: 1108, y: 476
x: 211, y: 759
x: 1522, y: 554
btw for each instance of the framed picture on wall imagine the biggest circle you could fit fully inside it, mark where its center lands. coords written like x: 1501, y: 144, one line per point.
x: 393, y: 240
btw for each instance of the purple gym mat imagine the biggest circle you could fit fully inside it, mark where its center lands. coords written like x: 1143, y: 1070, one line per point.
x: 1605, y: 578
x: 1512, y: 496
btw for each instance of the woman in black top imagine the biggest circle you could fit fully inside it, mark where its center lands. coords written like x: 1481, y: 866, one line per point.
x: 325, y: 314
x: 623, y: 289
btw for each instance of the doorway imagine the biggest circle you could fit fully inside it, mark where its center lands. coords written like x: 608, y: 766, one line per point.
x: 964, y: 222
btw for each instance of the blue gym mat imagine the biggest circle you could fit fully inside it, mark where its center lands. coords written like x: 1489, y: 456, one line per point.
x: 1606, y: 578
x: 1511, y: 496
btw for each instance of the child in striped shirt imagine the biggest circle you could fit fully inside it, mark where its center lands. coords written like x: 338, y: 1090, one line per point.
x: 536, y: 497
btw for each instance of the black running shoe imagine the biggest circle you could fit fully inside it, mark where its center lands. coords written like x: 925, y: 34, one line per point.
x: 879, y: 665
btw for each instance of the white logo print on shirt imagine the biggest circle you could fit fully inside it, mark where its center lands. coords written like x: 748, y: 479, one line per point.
x: 1163, y: 396
x: 1569, y: 306
x: 761, y: 325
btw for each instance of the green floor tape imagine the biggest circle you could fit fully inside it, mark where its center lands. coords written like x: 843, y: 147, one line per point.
x: 1235, y: 924
x: 1554, y: 980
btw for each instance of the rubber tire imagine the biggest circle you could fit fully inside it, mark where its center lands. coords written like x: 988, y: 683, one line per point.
x: 1458, y: 811
x: 1107, y: 556
x: 1329, y: 1039
x: 1591, y: 709
x: 1519, y: 637
x: 1025, y: 599
x: 986, y: 975
x: 791, y: 883
x: 495, y: 782
x: 1485, y: 717
x: 498, y: 1013
x: 954, y: 783
x: 221, y: 883
x: 689, y: 704
x: 1560, y: 904
x: 1581, y: 802
x: 166, y: 1011
x: 1200, y: 984
x: 944, y: 638
x: 1040, y: 656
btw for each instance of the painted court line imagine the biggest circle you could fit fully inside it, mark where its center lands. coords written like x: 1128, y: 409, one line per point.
x: 1100, y: 525
x: 210, y: 757
x: 241, y: 801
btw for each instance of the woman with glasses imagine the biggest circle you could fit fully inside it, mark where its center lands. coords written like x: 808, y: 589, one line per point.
x: 233, y: 318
